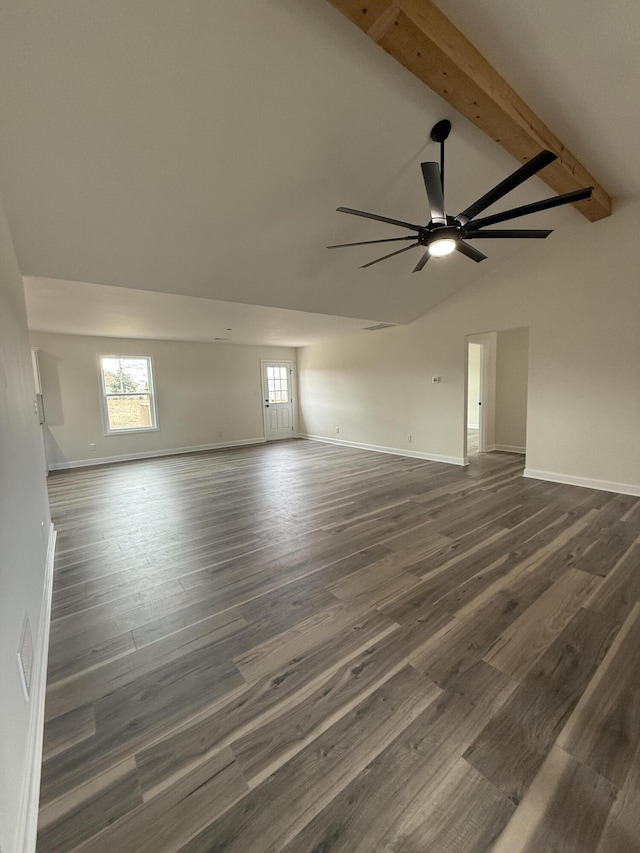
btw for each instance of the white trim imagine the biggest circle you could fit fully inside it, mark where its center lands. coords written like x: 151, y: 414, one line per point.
x: 395, y: 451
x: 509, y: 448
x: 150, y: 454
x: 29, y: 800
x: 584, y: 482
x: 132, y: 431
x: 473, y: 426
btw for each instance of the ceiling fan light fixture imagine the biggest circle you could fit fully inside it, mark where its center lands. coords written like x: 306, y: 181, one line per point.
x: 442, y: 247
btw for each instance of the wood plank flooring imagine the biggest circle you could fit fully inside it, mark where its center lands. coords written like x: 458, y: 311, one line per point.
x: 307, y: 648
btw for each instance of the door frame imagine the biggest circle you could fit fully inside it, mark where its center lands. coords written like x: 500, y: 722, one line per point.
x: 482, y: 414
x: 263, y: 392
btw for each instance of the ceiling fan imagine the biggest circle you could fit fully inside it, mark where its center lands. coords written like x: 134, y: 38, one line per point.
x: 444, y: 234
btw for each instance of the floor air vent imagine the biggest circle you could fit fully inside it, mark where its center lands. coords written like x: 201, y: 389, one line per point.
x: 378, y: 327
x: 25, y: 656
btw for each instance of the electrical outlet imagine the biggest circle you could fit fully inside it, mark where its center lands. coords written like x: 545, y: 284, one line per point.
x: 337, y: 430
x: 409, y: 437
x: 220, y: 433
x: 92, y: 446
x: 435, y: 379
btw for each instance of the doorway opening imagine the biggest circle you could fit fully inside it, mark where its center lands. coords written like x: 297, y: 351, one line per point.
x: 496, y: 390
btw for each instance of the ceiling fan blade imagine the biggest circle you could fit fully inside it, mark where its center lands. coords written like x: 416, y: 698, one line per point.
x: 510, y: 234
x: 384, y: 257
x: 470, y: 252
x: 514, y: 213
x: 433, y: 186
x: 422, y: 262
x: 514, y: 180
x: 380, y: 218
x: 367, y: 242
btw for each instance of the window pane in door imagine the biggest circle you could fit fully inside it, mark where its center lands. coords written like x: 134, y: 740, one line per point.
x: 277, y: 385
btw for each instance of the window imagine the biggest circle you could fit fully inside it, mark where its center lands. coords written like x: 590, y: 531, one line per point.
x: 277, y: 385
x: 128, y: 403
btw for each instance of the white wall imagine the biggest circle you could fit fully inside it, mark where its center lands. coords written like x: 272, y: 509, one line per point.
x: 578, y: 293
x: 24, y: 532
x: 512, y: 369
x: 206, y: 394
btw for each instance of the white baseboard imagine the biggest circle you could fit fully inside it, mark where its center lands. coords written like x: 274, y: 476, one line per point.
x: 150, y: 454
x: 584, y: 482
x: 395, y: 451
x: 27, y: 827
x: 509, y: 448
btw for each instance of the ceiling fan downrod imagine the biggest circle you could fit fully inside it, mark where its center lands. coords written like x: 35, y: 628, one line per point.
x: 440, y: 133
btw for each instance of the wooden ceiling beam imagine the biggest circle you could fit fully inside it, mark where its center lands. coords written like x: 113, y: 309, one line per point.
x: 424, y: 41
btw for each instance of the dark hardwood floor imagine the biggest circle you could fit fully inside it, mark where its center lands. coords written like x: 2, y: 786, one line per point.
x: 306, y: 648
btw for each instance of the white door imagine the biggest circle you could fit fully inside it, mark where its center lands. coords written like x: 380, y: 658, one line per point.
x: 277, y: 399
x: 476, y: 385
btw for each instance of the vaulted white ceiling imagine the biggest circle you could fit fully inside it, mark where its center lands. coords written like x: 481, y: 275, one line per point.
x: 577, y: 65
x: 201, y: 149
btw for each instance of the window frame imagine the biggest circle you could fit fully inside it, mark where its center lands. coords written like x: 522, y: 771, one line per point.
x: 104, y: 396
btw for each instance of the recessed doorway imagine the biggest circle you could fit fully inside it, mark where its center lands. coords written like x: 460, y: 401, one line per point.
x: 496, y: 389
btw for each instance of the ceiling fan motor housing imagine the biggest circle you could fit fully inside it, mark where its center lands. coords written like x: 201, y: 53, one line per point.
x: 438, y: 232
